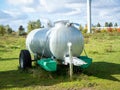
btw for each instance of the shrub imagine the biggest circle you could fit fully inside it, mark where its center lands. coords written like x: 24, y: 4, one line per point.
x: 84, y: 30
x: 93, y: 29
x: 109, y: 29
x: 14, y: 33
x: 115, y: 30
x: 97, y: 30
x: 103, y: 30
x: 118, y: 30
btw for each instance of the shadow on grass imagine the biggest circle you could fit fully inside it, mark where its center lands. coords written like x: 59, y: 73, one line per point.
x: 104, y: 70
x: 31, y: 77
x: 38, y: 77
x: 5, y: 50
x: 6, y: 59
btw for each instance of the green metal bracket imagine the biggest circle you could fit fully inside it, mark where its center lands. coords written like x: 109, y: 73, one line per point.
x: 87, y: 60
x: 48, y: 64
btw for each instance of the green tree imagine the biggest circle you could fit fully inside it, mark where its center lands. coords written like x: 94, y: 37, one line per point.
x: 29, y: 27
x: 33, y: 25
x: 85, y: 29
x: 115, y: 25
x: 2, y: 30
x: 81, y: 27
x: 110, y: 24
x: 98, y: 25
x: 38, y: 24
x: 8, y: 29
x: 106, y: 24
x: 21, y: 30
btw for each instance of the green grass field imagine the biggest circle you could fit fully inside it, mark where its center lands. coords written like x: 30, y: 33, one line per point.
x: 103, y: 74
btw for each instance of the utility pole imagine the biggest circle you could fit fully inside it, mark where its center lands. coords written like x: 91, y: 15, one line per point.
x: 89, y: 16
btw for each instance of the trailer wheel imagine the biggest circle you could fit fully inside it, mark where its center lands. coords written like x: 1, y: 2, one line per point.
x: 25, y: 59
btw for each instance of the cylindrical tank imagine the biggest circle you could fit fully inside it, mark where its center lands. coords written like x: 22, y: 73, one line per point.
x: 53, y: 41
x: 63, y: 33
x: 37, y: 42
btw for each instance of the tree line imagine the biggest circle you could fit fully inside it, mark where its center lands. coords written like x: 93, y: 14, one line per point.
x: 107, y: 27
x: 6, y: 29
x: 107, y: 24
x: 37, y: 24
x: 31, y: 26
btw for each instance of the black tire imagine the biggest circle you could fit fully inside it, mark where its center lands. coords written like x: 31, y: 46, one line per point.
x: 25, y: 59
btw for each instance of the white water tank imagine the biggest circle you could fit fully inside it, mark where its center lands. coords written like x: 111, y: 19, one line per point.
x: 53, y: 41
x: 37, y: 42
x: 60, y: 35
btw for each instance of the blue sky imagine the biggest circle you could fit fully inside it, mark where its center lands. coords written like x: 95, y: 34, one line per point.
x: 20, y: 12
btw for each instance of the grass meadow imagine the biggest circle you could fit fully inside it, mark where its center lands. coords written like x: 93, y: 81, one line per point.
x: 103, y: 74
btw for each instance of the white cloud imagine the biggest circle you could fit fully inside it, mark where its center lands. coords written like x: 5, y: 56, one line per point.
x: 63, y: 7
x: 105, y: 11
x: 4, y: 15
x: 76, y: 8
x: 19, y: 11
x: 20, y: 2
x: 15, y: 14
x: 28, y: 9
x: 51, y: 6
x: 12, y: 18
x: 12, y: 12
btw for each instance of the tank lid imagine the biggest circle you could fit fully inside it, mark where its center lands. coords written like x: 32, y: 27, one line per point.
x: 62, y: 22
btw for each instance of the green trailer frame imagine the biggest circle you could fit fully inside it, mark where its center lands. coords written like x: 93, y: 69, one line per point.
x: 50, y: 64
